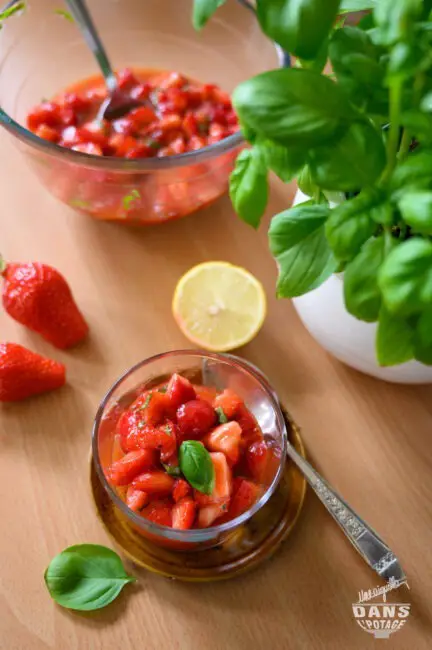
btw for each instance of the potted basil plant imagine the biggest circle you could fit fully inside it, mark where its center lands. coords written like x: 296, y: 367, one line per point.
x: 355, y: 250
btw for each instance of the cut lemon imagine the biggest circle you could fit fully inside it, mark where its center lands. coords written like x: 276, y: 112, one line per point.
x: 219, y: 306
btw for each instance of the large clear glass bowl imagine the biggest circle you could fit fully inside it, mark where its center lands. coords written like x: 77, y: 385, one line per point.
x: 215, y: 370
x: 41, y: 53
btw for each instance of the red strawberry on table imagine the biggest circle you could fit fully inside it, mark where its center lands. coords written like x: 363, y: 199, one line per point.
x: 37, y: 296
x: 24, y: 373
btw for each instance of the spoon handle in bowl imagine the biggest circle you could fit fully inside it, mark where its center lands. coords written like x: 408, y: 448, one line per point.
x: 364, y: 539
x: 82, y: 17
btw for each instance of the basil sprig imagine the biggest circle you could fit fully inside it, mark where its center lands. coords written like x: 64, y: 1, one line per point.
x: 196, y: 466
x: 86, y: 577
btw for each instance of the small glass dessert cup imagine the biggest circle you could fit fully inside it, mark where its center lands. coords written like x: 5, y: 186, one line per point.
x: 203, y: 369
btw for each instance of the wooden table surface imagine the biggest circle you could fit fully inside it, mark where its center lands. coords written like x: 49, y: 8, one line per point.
x: 371, y: 440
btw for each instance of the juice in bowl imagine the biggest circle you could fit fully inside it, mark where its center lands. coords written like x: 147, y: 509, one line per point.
x: 188, y: 446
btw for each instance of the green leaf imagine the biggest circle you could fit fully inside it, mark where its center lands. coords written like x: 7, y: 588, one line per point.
x: 298, y: 242
x: 347, y: 6
x: 350, y: 225
x: 426, y: 103
x: 405, y: 278
x: 130, y: 199
x: 298, y: 26
x: 172, y: 470
x: 415, y: 171
x: 86, y: 577
x: 354, y: 55
x: 285, y: 162
x: 405, y: 60
x: 419, y: 124
x: 394, y: 340
x: 203, y: 10
x: 361, y: 292
x: 356, y: 160
x: 305, y: 182
x: 394, y: 18
x: 293, y: 106
x: 248, y: 186
x: 221, y: 415
x: 10, y: 11
x: 196, y: 465
x: 416, y: 209
x: 65, y: 14
x: 423, y: 338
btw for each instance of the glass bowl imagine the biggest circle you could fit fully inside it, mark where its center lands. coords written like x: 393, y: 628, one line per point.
x: 42, y: 53
x: 213, y: 370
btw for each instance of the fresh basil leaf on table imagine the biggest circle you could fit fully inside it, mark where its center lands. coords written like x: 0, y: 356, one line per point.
x: 196, y: 466
x: 248, y: 186
x: 298, y: 26
x: 293, y: 107
x: 298, y: 243
x: 86, y: 577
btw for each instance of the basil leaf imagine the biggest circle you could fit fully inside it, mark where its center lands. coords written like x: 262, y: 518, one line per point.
x: 197, y: 466
x: 305, y: 182
x: 298, y: 26
x: 350, y: 225
x: 65, y: 14
x: 221, y: 415
x: 423, y: 338
x: 416, y: 209
x: 298, y: 242
x: 356, y: 160
x: 172, y: 470
x: 354, y: 57
x: 414, y: 171
x: 394, y: 18
x: 86, y: 577
x: 405, y: 278
x: 203, y: 10
x: 394, y: 340
x: 248, y: 186
x: 10, y: 11
x: 285, y: 162
x: 426, y: 103
x: 361, y: 291
x: 419, y: 123
x: 293, y: 106
x: 356, y: 5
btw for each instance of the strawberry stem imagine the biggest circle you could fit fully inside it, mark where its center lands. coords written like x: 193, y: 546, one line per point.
x: 2, y: 265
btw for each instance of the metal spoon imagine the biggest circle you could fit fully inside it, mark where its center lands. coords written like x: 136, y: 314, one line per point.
x: 118, y: 103
x: 362, y: 536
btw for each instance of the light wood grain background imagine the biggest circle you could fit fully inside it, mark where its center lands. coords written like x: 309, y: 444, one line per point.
x: 370, y: 439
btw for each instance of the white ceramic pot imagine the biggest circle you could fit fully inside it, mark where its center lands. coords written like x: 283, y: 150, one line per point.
x: 350, y: 340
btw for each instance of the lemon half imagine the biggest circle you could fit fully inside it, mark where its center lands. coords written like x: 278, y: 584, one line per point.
x: 219, y: 306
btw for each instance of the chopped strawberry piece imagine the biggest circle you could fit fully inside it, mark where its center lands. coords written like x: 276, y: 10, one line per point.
x: 95, y: 132
x: 225, y: 438
x: 229, y: 402
x: 205, y: 393
x: 123, y: 471
x: 222, y: 485
x: 244, y: 496
x: 126, y: 79
x: 195, y: 418
x: 179, y: 391
x: 250, y: 429
x: 142, y: 116
x: 160, y: 512
x: 47, y: 133
x: 136, y: 499
x: 257, y: 458
x: 88, y: 147
x: 157, y: 482
x: 134, y: 436
x: 181, y: 489
x: 208, y: 514
x: 46, y: 113
x: 141, y: 92
x: 183, y: 514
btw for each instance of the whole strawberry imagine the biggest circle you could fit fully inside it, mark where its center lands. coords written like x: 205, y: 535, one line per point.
x: 24, y: 373
x: 37, y: 296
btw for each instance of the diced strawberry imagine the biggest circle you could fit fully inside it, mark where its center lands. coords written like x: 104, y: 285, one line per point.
x: 160, y: 512
x: 196, y: 142
x: 141, y: 92
x: 257, y: 457
x: 225, y: 438
x: 89, y: 148
x: 46, y: 113
x: 195, y: 418
x: 216, y: 133
x: 76, y: 102
x: 249, y: 426
x: 47, y: 133
x: 68, y: 117
x: 136, y: 499
x: 96, y: 132
x: 123, y: 125
x: 133, y: 436
x: 173, y: 80
x: 179, y: 391
x: 229, y: 402
x: 140, y: 151
x: 123, y: 471
x: 183, y: 514
x: 244, y: 496
x: 178, y: 146
x: 181, y: 489
x: 142, y: 116
x: 223, y: 477
x: 208, y: 514
x: 121, y: 144
x: 189, y: 125
x: 205, y: 393
x: 151, y: 405
x: 126, y: 79
x: 70, y: 136
x: 157, y: 482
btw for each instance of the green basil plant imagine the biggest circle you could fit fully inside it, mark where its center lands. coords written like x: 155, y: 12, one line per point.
x: 361, y: 127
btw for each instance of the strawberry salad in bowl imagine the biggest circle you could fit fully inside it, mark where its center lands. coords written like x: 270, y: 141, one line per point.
x: 188, y: 461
